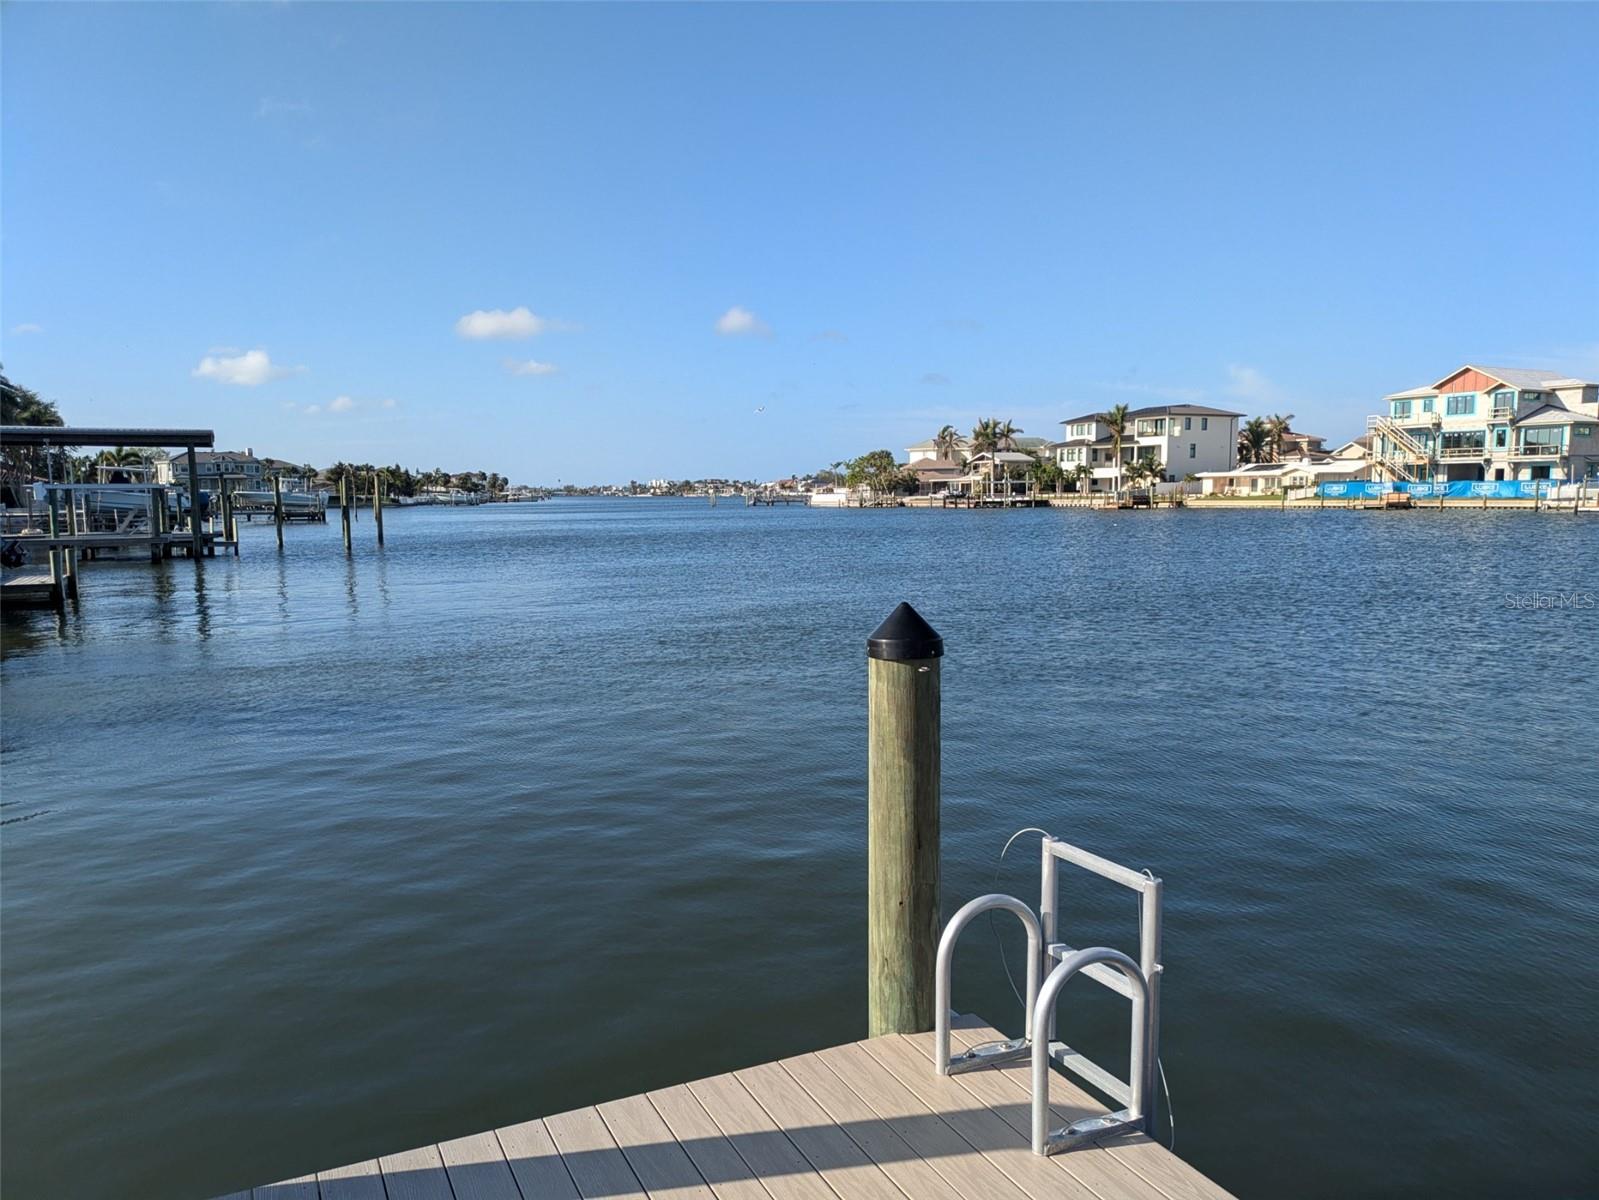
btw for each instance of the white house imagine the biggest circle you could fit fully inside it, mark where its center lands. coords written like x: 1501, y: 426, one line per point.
x: 1184, y: 439
x: 1256, y: 479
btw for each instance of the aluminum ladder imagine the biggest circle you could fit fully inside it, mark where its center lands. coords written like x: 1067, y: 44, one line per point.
x: 1138, y: 981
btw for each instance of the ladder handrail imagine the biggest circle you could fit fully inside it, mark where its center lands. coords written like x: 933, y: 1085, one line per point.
x: 946, y: 955
x: 1130, y: 1118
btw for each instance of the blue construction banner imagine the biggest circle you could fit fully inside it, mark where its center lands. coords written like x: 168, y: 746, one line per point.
x: 1354, y: 489
x: 1459, y: 489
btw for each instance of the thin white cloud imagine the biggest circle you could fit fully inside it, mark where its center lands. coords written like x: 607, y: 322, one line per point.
x: 484, y: 323
x: 27, y: 327
x: 341, y: 404
x: 935, y: 379
x: 1250, y: 384
x: 250, y: 369
x: 274, y: 106
x: 391, y: 402
x: 529, y: 366
x: 741, y: 322
x: 313, y: 409
x: 831, y: 335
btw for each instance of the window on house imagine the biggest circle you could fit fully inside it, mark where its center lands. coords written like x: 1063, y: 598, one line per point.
x: 1500, y: 437
x: 1188, y: 423
x: 1551, y: 438
x: 1401, y: 409
x: 1462, y: 404
x: 1505, y: 399
x: 1204, y: 423
x: 1193, y: 449
x: 1464, y: 441
x: 1429, y: 404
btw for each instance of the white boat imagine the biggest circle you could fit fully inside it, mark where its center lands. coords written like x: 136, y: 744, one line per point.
x: 296, y: 503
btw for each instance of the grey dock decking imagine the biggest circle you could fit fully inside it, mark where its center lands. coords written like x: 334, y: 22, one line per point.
x: 28, y: 588
x: 865, y: 1121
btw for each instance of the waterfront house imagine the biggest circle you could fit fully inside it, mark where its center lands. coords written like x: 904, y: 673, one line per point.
x: 936, y: 474
x: 1184, y: 439
x: 243, y: 468
x: 1256, y: 479
x: 928, y: 450
x: 1489, y: 423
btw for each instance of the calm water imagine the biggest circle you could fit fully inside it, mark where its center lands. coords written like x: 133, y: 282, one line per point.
x: 308, y: 859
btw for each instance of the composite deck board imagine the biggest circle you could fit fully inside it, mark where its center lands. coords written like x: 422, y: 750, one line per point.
x: 865, y: 1121
x: 415, y: 1175
x: 659, y: 1163
x: 728, y: 1175
x: 302, y: 1187
x: 897, y: 1158
x: 596, y: 1162
x: 770, y: 1154
x: 477, y: 1169
x: 930, y: 1135
x: 536, y: 1163
x: 843, y: 1165
x: 358, y: 1181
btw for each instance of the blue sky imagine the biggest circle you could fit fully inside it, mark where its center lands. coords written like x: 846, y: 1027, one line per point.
x: 752, y: 240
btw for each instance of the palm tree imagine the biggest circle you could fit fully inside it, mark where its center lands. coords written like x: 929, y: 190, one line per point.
x: 1277, y: 429
x: 946, y: 443
x: 1116, y: 418
x: 985, y: 440
x: 1253, y: 441
x: 1081, y: 474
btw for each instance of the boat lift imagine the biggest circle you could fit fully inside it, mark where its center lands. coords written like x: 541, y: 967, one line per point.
x: 1138, y: 981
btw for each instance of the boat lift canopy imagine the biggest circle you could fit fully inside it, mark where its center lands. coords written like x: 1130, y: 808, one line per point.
x: 72, y: 435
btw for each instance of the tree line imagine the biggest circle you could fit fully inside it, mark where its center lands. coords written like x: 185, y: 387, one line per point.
x: 20, y: 405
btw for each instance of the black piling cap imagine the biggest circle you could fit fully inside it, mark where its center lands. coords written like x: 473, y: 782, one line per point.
x: 904, y: 636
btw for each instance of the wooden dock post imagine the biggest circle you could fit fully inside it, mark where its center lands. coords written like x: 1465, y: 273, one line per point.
x: 377, y: 505
x: 903, y: 766
x: 69, y: 557
x: 58, y: 582
x: 194, y: 504
x: 277, y: 506
x: 344, y: 510
x: 230, y: 519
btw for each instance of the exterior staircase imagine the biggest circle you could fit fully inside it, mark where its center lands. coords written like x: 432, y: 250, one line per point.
x: 1394, y: 451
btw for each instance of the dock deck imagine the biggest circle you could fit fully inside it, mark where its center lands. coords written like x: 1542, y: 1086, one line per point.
x: 28, y: 588
x: 865, y: 1121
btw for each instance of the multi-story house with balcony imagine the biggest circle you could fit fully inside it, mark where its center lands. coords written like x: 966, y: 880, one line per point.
x: 1489, y: 423
x: 1184, y: 439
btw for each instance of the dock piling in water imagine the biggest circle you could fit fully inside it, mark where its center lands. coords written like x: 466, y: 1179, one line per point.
x: 344, y: 510
x: 903, y: 768
x: 277, y: 506
x: 377, y: 505
x: 194, y: 506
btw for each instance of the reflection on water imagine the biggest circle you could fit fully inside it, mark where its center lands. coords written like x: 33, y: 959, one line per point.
x: 578, y: 765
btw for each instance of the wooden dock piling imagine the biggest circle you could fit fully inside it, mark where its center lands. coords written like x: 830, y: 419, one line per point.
x: 194, y: 505
x: 903, y: 786
x: 277, y: 507
x: 377, y: 505
x: 57, y: 557
x: 344, y: 510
